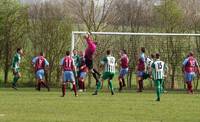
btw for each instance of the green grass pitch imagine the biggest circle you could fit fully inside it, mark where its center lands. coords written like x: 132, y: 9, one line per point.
x: 28, y: 105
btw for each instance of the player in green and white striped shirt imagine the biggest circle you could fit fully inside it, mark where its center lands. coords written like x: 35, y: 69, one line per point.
x: 159, y: 69
x: 16, y: 67
x: 109, y: 63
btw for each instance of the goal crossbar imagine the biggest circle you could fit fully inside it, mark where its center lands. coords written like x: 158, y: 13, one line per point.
x: 127, y: 34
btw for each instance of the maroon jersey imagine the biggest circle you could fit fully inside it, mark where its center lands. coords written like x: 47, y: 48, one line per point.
x: 40, y: 63
x: 124, y: 61
x: 141, y: 66
x: 67, y: 63
x: 191, y: 65
x: 83, y: 67
x: 141, y: 63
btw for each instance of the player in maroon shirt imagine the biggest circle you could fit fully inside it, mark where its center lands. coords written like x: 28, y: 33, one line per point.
x: 40, y: 63
x: 68, y: 66
x: 141, y: 69
x: 82, y: 72
x: 190, y: 69
x: 124, y: 62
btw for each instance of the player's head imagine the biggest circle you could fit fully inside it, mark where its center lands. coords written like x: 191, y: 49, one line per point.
x: 87, y: 35
x: 122, y: 51
x: 81, y: 53
x: 75, y: 52
x: 108, y: 52
x: 152, y: 56
x: 143, y: 49
x: 42, y: 54
x: 157, y: 55
x: 67, y: 53
x: 191, y: 54
x: 20, y: 51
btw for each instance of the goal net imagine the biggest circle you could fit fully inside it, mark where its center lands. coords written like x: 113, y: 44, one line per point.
x: 173, y: 47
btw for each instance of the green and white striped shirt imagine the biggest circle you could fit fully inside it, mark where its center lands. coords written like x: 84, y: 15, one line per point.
x: 16, y: 61
x: 109, y: 63
x: 148, y: 64
x: 158, y: 69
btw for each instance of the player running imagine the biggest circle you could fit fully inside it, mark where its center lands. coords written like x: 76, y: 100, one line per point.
x: 89, y: 54
x: 190, y: 68
x: 82, y: 73
x: 159, y: 68
x: 16, y: 67
x: 40, y: 64
x: 67, y: 67
x: 124, y: 62
x: 109, y: 72
x: 141, y: 70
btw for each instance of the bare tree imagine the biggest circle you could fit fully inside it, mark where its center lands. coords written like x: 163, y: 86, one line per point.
x: 192, y: 22
x: 131, y: 15
x: 50, y: 31
x: 170, y: 15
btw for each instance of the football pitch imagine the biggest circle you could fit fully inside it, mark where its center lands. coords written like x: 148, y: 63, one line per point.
x: 28, y: 105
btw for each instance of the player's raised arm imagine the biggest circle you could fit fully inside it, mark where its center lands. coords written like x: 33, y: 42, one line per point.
x: 88, y: 38
x: 87, y: 35
x: 61, y: 64
x: 183, y: 64
x: 33, y: 60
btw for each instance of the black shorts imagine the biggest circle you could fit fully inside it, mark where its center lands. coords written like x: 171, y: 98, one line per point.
x: 145, y: 76
x: 89, y: 63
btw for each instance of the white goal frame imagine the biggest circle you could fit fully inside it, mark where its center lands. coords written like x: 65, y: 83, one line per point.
x: 74, y: 33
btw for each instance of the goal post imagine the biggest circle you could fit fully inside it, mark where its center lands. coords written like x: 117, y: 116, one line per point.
x: 74, y: 33
x: 171, y: 45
